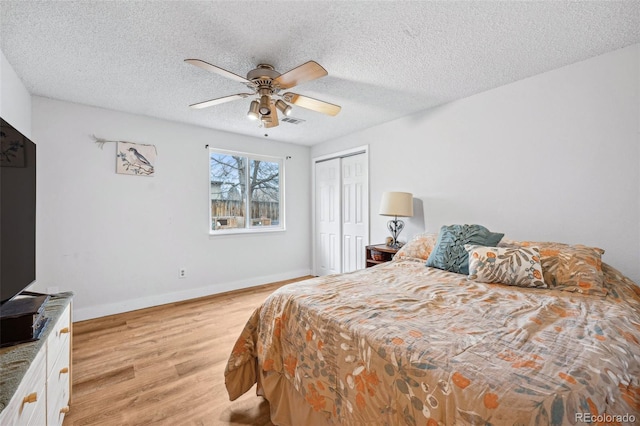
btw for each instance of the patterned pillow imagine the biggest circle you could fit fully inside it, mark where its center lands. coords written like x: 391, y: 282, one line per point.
x: 575, y: 268
x: 419, y: 248
x: 513, y: 266
x: 449, y: 253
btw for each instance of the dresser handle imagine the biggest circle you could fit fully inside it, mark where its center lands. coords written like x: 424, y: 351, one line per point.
x: 64, y: 410
x: 32, y: 397
x: 64, y: 330
x: 64, y: 370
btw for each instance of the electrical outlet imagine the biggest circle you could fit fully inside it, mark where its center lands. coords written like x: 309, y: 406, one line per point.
x: 182, y: 273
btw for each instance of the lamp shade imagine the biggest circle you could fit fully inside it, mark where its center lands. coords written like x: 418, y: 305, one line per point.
x: 396, y: 204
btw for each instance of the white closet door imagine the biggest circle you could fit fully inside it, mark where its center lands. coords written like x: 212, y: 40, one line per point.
x: 355, y: 211
x: 328, y: 220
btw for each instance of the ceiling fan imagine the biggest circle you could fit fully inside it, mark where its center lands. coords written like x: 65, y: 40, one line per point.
x: 266, y: 83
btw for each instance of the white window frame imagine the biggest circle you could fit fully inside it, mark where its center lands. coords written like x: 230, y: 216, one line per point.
x: 248, y: 229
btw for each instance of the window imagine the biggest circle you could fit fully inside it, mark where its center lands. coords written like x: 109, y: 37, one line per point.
x: 246, y: 192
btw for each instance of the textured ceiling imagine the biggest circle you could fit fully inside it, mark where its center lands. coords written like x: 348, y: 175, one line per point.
x: 385, y: 59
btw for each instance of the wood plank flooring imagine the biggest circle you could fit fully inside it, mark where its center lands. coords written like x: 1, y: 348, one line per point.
x: 164, y: 365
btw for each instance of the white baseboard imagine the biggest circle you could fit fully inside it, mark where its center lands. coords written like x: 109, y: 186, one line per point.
x: 97, y: 311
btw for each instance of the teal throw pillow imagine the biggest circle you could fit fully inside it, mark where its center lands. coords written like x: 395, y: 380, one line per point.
x: 449, y: 252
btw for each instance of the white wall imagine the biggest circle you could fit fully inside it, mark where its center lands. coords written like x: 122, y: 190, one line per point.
x: 118, y: 241
x: 553, y: 157
x: 15, y: 100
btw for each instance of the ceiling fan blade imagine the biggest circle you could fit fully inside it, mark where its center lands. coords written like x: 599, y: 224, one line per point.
x: 218, y: 101
x: 312, y: 104
x: 305, y: 72
x: 273, y: 117
x: 207, y: 66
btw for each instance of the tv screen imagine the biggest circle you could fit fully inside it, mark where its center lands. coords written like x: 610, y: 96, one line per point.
x: 17, y: 212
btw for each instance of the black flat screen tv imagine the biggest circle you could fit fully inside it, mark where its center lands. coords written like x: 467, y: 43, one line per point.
x: 17, y: 212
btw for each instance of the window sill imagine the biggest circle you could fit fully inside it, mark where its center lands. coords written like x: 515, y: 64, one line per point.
x: 237, y: 231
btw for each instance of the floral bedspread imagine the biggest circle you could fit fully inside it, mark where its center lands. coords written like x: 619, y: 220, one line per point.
x: 401, y: 343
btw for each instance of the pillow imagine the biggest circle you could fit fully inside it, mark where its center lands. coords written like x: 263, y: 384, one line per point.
x: 513, y: 266
x: 419, y: 248
x: 449, y: 253
x: 575, y: 268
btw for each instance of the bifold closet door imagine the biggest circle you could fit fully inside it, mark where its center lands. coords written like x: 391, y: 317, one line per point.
x: 355, y: 211
x: 328, y: 218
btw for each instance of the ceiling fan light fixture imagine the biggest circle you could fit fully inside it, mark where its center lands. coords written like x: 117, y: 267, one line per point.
x: 265, y: 105
x: 283, y: 107
x: 253, y: 110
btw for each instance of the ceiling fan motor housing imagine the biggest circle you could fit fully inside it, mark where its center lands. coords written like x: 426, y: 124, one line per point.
x: 263, y: 75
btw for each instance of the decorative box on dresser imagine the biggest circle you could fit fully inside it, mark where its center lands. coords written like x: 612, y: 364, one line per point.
x: 35, y: 377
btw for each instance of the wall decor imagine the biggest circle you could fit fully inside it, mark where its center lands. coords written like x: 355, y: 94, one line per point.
x: 135, y: 159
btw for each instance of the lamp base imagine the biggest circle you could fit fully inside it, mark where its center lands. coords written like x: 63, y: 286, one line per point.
x: 398, y: 245
x: 395, y: 227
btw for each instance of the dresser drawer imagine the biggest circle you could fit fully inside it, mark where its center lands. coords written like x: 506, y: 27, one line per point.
x: 39, y: 416
x: 58, y: 389
x: 58, y: 368
x: 58, y: 339
x: 28, y: 405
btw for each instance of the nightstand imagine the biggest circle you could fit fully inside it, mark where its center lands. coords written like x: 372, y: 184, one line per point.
x: 379, y: 253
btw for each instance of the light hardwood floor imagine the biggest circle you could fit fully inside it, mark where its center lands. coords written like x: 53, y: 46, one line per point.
x: 164, y: 365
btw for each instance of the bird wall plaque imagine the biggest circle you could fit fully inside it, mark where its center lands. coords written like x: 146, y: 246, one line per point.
x: 135, y: 159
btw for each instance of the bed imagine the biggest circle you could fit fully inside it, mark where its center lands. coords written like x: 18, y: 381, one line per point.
x: 402, y: 343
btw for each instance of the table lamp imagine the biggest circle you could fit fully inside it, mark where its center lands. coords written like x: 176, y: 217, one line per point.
x: 396, y: 204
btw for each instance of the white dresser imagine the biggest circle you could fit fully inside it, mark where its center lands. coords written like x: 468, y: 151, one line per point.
x: 39, y: 372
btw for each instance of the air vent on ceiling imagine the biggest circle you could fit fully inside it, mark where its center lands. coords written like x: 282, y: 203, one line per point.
x: 293, y: 120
